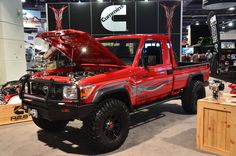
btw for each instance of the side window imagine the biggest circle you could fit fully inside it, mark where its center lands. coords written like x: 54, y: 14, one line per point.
x: 152, y: 53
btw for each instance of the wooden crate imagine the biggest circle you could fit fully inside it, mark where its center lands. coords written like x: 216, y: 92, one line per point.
x: 13, y: 114
x: 216, y: 126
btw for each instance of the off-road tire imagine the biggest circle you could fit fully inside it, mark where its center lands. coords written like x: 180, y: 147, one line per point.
x: 191, y: 94
x: 51, y: 126
x: 101, y: 137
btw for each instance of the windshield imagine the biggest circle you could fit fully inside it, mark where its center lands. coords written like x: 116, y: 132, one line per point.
x: 124, y: 49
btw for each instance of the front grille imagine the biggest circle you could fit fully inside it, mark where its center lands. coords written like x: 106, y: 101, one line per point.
x: 41, y: 89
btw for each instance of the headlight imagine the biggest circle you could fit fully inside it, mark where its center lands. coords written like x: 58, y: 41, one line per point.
x: 70, y: 92
x: 85, y: 91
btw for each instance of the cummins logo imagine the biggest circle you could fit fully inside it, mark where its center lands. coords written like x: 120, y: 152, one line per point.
x: 108, y: 13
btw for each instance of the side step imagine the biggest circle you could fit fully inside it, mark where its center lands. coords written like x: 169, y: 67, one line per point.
x: 156, y: 103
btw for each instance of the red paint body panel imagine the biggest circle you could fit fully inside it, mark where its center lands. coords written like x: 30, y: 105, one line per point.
x: 143, y: 86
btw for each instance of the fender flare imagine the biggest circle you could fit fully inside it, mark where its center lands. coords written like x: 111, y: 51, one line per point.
x: 101, y: 93
x: 192, y: 76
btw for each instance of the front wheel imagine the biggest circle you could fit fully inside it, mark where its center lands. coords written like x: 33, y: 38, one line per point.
x: 108, y: 126
x: 191, y: 94
x: 51, y: 126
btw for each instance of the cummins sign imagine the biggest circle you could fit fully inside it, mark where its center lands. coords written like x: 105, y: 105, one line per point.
x: 107, y: 18
x: 119, y: 18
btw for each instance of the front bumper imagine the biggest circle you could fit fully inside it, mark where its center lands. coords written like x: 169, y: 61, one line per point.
x: 49, y: 106
x: 53, y: 110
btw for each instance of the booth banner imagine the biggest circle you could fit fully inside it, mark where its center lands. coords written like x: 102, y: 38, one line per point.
x: 118, y: 18
x: 213, y: 25
x: 13, y: 114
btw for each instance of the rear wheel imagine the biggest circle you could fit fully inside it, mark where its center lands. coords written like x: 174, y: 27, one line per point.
x: 50, y: 125
x: 108, y: 126
x: 191, y: 94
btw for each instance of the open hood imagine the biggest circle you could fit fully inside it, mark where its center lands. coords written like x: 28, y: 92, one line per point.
x: 80, y: 47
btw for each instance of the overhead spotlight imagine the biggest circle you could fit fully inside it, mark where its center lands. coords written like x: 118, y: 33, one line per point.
x: 197, y: 23
x: 230, y: 24
x: 231, y: 9
x: 146, y: 0
x: 223, y: 27
x: 100, y: 0
x: 23, y: 1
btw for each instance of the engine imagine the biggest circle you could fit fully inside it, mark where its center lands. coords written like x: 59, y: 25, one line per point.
x: 83, y: 74
x: 80, y: 74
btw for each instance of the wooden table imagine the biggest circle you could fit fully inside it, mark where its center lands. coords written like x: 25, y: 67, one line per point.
x: 216, y: 125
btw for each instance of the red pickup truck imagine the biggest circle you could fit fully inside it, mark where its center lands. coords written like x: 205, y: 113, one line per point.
x: 100, y: 81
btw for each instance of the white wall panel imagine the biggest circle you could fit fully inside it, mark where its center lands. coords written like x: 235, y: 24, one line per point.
x: 1, y: 50
x: 12, y: 52
x: 11, y: 11
x: 3, y: 72
x: 11, y: 31
x: 14, y: 69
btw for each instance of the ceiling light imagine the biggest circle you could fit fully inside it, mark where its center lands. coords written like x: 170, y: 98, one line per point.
x: 223, y: 27
x: 23, y: 1
x: 197, y: 23
x: 100, y: 0
x: 231, y: 9
x: 230, y: 24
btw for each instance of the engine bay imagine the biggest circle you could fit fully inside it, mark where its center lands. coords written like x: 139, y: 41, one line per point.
x: 76, y: 73
x: 83, y: 74
x: 80, y: 74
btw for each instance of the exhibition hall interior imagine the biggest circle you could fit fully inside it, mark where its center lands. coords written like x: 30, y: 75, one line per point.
x: 118, y: 77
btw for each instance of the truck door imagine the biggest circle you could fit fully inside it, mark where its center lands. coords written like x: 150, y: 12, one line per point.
x: 155, y: 80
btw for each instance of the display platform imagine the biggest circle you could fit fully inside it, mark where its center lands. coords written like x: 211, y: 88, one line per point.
x: 216, y: 125
x: 13, y: 114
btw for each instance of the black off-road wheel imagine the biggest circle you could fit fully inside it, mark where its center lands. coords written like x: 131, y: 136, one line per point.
x: 51, y: 126
x: 108, y: 126
x: 191, y: 94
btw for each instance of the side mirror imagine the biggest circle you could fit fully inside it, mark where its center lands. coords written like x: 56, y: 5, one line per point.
x: 144, y: 58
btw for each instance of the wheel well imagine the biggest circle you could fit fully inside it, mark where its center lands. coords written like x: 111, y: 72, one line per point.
x: 197, y: 78
x: 120, y: 95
